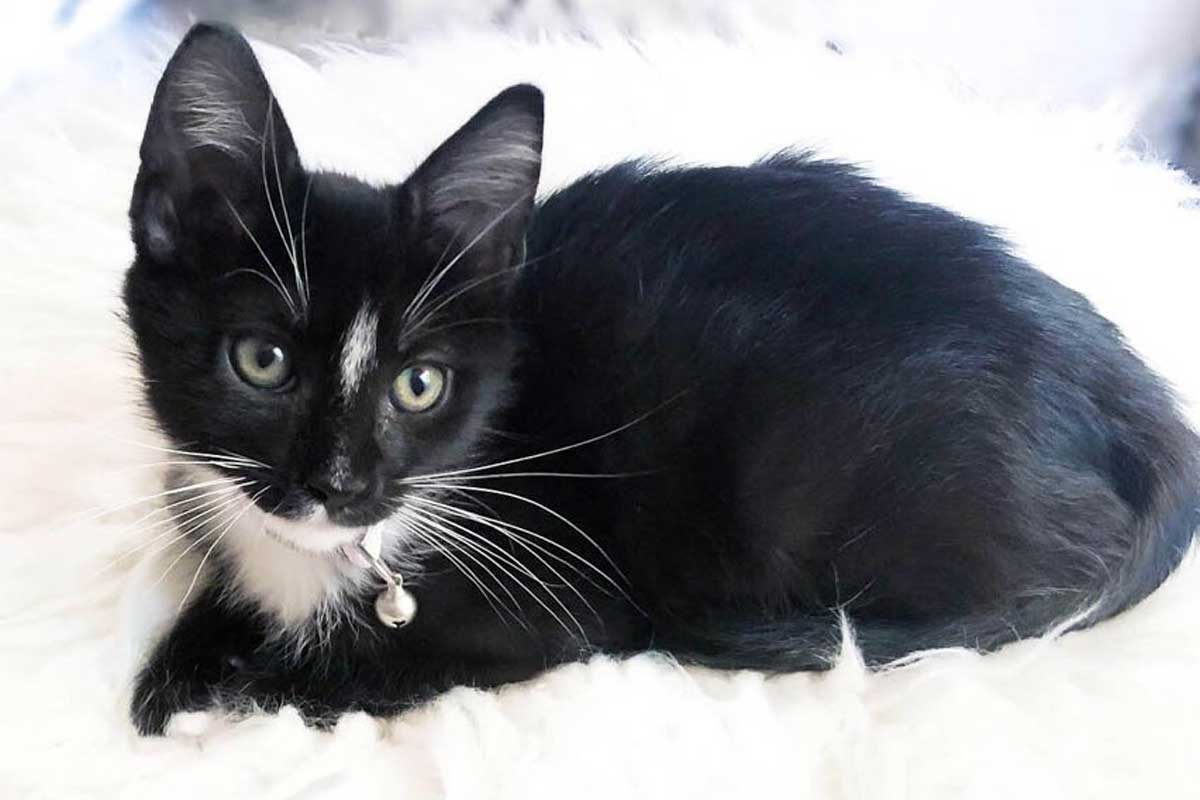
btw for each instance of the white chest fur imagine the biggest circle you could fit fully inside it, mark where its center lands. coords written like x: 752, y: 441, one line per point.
x: 297, y: 587
x: 294, y: 571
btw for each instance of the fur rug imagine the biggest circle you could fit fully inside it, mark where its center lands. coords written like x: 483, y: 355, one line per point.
x: 1110, y: 712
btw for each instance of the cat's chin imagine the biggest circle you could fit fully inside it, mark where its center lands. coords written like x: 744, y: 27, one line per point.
x: 314, y: 534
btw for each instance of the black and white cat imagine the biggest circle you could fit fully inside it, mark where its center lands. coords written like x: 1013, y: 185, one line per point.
x: 694, y: 410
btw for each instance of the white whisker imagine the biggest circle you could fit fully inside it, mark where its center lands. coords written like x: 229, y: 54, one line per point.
x: 304, y: 239
x: 465, y: 547
x: 289, y: 241
x: 225, y: 455
x: 416, y: 479
x: 200, y: 568
x: 525, y: 570
x: 90, y: 515
x: 438, y: 545
x: 188, y: 515
x: 191, y: 462
x: 202, y: 503
x: 191, y: 528
x: 425, y: 293
x: 532, y: 594
x: 414, y: 302
x: 522, y: 499
x: 584, y: 475
x: 461, y: 289
x: 277, y: 282
x: 514, y: 533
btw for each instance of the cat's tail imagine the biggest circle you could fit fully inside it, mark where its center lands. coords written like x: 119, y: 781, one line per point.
x: 814, y: 642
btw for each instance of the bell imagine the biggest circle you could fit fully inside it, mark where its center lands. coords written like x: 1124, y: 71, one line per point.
x: 395, y: 606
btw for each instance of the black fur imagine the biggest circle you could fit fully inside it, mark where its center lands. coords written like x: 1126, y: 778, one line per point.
x: 825, y: 397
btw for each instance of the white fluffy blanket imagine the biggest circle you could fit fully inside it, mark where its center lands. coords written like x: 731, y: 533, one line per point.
x: 1110, y: 712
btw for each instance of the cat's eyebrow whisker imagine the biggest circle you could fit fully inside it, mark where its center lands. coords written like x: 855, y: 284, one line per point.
x: 459, y: 324
x: 414, y: 302
x: 277, y: 281
x: 288, y: 241
x: 417, y: 301
x: 566, y: 610
x: 416, y: 479
x: 462, y: 288
x: 459, y: 290
x: 200, y: 568
x: 304, y: 239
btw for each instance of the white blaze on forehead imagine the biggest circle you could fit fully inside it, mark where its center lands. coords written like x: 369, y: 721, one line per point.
x: 358, y: 350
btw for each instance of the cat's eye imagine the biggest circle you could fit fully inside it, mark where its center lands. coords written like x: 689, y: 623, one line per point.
x: 419, y: 387
x: 261, y: 362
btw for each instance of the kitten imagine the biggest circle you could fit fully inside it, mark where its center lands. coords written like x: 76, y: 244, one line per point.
x: 696, y: 410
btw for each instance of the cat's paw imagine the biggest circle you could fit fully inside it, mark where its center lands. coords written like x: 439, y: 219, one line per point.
x: 155, y: 702
x: 160, y: 692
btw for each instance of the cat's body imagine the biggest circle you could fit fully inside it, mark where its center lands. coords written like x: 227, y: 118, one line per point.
x: 696, y: 410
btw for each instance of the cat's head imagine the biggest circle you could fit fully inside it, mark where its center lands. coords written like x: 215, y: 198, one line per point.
x: 331, y: 338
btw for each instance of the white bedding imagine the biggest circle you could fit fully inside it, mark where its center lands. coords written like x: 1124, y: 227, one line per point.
x: 1111, y: 712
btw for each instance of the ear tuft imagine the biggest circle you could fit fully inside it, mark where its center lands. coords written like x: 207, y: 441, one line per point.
x: 494, y: 160
x: 213, y: 125
x: 213, y: 94
x: 481, y: 183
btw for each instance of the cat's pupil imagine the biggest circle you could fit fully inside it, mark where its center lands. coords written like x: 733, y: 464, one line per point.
x: 268, y: 356
x: 418, y: 382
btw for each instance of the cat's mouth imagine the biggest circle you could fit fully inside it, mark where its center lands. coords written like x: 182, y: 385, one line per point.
x: 315, y: 533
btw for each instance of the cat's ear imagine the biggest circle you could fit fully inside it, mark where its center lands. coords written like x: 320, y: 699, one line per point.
x: 475, y: 194
x: 214, y: 132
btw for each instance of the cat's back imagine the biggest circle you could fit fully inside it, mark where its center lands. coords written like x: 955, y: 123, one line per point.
x: 791, y: 227
x: 839, y: 360
x: 794, y: 257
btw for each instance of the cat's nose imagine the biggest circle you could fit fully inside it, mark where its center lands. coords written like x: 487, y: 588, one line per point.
x: 338, y: 494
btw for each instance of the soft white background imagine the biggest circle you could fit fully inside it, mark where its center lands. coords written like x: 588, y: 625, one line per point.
x: 1111, y: 712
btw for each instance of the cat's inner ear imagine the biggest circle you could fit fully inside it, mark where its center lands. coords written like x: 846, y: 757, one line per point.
x: 474, y: 195
x: 214, y: 135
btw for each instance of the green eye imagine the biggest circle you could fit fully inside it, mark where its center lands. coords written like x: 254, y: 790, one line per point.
x: 260, y: 362
x: 419, y: 387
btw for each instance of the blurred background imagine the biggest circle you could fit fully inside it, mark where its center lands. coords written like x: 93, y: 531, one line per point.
x: 1143, y: 54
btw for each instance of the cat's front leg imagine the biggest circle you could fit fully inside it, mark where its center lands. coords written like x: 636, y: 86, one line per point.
x: 201, y: 659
